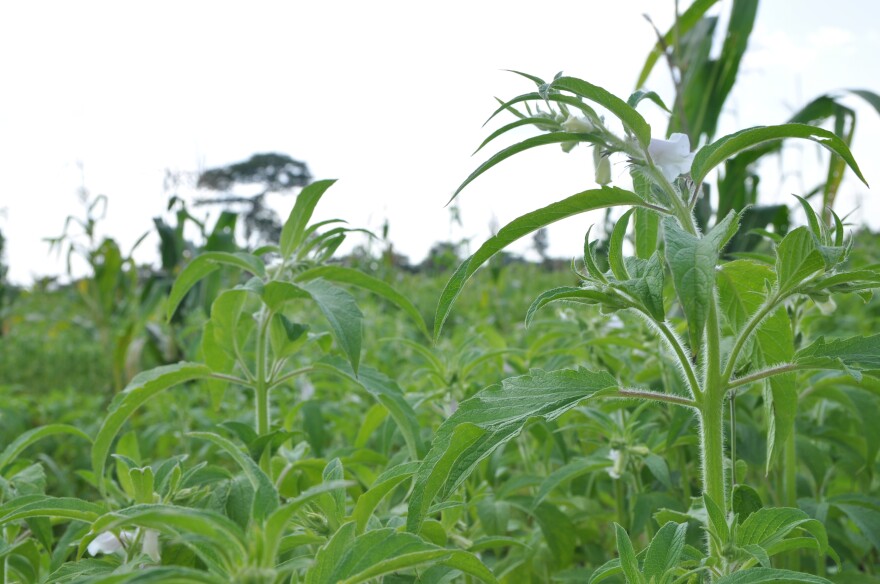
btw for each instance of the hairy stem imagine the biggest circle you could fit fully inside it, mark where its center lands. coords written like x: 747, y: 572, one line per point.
x: 769, y: 305
x: 655, y: 396
x: 762, y: 374
x: 261, y: 386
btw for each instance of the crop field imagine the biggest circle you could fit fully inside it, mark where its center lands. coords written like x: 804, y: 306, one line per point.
x: 693, y: 399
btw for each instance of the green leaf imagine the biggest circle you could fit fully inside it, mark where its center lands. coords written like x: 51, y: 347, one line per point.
x: 203, y: 265
x: 573, y: 469
x: 798, y: 260
x: 265, y: 495
x: 491, y: 418
x: 864, y: 512
x: 140, y: 389
x: 775, y: 341
x: 543, y: 123
x: 692, y: 261
x: 852, y: 353
x: 343, y: 315
x: 714, y: 154
x: 293, y: 232
x: 628, y: 561
x: 718, y: 526
x: 276, y: 294
x: 385, y: 391
x: 528, y: 143
x: 639, y: 95
x: 522, y: 226
x: 17, y: 446
x: 347, y: 559
x: 357, y: 278
x: 584, y: 295
x: 632, y: 120
x: 683, y: 24
x: 615, y: 247
x: 770, y: 525
x: 664, y: 550
x: 381, y: 487
x: 770, y: 576
x: 745, y: 501
x: 646, y: 232
x: 42, y: 506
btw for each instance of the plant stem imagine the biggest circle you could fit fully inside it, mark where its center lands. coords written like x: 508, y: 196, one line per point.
x: 762, y: 374
x: 261, y: 386
x: 789, y: 482
x: 655, y: 396
x: 712, y: 418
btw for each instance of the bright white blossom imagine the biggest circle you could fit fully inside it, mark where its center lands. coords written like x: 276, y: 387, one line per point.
x: 673, y: 157
x: 578, y: 125
x: 616, y: 457
x: 109, y: 543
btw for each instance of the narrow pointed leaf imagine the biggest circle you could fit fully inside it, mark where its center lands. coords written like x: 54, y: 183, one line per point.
x: 770, y: 576
x: 293, y: 232
x: 203, y: 265
x: 17, y: 446
x: 522, y: 226
x: 631, y: 119
x: 343, y: 315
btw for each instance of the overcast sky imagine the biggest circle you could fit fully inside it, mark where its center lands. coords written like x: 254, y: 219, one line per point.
x: 388, y: 97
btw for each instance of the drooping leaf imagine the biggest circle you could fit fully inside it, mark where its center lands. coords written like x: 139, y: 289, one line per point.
x: 488, y: 420
x: 140, y: 389
x: 714, y: 154
x: 771, y: 576
x: 584, y: 295
x: 524, y: 225
x: 203, y: 265
x: 17, y: 446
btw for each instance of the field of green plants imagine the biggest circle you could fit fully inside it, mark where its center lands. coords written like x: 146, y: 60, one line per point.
x: 695, y: 399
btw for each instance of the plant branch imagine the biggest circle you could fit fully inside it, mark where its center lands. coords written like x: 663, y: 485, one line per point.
x: 683, y: 359
x: 769, y: 305
x: 762, y: 374
x: 232, y: 379
x: 655, y: 396
x: 290, y: 375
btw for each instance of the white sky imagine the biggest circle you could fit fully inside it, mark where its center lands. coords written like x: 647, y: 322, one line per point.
x: 387, y: 96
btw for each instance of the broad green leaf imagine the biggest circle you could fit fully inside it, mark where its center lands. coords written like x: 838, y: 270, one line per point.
x: 522, y: 226
x: 347, y: 559
x: 745, y: 500
x: 488, y: 420
x: 43, y: 506
x: 276, y: 293
x: 344, y: 275
x: 632, y: 120
x: 386, y: 392
x: 17, y: 446
x: 770, y: 525
x: 528, y: 143
x: 664, y: 550
x: 798, y: 259
x: 646, y: 284
x: 852, y: 353
x: 770, y: 576
x: 265, y: 495
x: 646, y: 232
x: 742, y: 289
x: 343, y: 315
x: 714, y: 154
x: 628, y: 562
x: 140, y: 389
x: 864, y: 512
x: 203, y: 265
x: 692, y: 261
x: 293, y: 232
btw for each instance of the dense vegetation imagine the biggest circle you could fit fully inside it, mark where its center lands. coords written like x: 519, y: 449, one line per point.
x: 695, y: 400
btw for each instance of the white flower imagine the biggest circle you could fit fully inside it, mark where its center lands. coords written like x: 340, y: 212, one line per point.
x: 108, y: 543
x: 827, y: 307
x: 578, y: 125
x: 673, y: 156
x: 616, y: 457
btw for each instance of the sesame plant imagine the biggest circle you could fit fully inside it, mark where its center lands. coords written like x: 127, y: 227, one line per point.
x: 728, y: 324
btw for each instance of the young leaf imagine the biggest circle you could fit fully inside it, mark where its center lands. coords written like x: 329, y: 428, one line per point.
x: 714, y: 154
x: 140, y: 389
x: 293, y: 232
x: 798, y: 260
x: 615, y: 247
x: 718, y: 526
x: 381, y: 487
x: 522, y: 226
x: 664, y: 550
x: 632, y: 120
x: 770, y: 525
x: 692, y: 261
x: 569, y: 293
x: 628, y: 561
x: 847, y: 354
x: 491, y: 418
